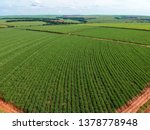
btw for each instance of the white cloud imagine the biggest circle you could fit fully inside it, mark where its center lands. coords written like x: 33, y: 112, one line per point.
x: 36, y: 3
x: 78, y: 6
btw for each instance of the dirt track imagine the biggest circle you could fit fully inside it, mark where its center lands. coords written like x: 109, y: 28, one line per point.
x: 8, y: 108
x: 134, y: 105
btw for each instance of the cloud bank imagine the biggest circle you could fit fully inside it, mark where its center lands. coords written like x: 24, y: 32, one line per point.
x: 109, y: 7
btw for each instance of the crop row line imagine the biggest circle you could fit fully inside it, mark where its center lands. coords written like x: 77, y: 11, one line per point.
x: 95, y: 38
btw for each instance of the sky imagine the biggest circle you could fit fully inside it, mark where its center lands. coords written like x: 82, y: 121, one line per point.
x: 75, y: 7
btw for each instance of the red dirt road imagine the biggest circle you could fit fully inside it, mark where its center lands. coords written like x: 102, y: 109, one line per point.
x: 8, y: 108
x: 134, y: 105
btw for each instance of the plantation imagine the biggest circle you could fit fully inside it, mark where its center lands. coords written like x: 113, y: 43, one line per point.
x: 139, y: 26
x: 128, y: 35
x: 145, y: 107
x: 49, y: 72
x: 3, y: 26
x: 137, y: 36
x: 18, y: 24
x: 60, y: 28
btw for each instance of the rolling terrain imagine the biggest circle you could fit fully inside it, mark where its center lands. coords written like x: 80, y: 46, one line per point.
x: 73, y: 68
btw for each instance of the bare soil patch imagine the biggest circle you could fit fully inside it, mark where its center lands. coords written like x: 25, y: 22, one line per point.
x: 134, y: 105
x: 8, y: 107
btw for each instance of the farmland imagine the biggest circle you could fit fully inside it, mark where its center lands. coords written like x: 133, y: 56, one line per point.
x: 84, y: 69
x: 3, y: 26
x: 60, y: 28
x: 138, y: 26
x: 129, y: 35
x: 145, y: 107
x: 18, y: 24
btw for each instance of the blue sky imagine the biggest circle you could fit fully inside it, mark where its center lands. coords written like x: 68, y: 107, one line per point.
x: 108, y: 7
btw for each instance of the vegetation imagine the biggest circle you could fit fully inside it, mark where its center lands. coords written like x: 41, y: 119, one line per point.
x: 43, y: 72
x: 46, y: 21
x: 137, y: 26
x: 73, y: 67
x: 1, y: 111
x: 80, y: 18
x: 141, y: 37
x: 18, y: 24
x: 144, y: 107
x: 3, y: 26
x: 116, y: 19
x: 129, y: 35
x: 60, y: 28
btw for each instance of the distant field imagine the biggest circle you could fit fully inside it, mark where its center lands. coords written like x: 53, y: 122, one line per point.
x: 141, y: 37
x: 4, y: 23
x: 117, y: 19
x: 47, y: 72
x: 3, y: 26
x: 137, y: 36
x: 61, y: 28
x: 145, y: 26
x: 102, y: 19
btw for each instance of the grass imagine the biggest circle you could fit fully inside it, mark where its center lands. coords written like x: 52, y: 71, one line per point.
x: 18, y: 24
x: 102, y: 19
x: 144, y: 107
x: 137, y: 36
x: 119, y: 34
x: 3, y: 26
x: 43, y: 72
x: 1, y: 111
x: 145, y: 26
x: 61, y: 28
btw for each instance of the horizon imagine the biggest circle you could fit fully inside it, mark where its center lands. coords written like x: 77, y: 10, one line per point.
x: 73, y: 7
x: 75, y: 15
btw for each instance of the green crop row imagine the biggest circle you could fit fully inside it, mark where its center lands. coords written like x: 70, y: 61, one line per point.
x: 21, y: 24
x: 60, y: 28
x: 137, y: 36
x: 128, y: 35
x: 144, y: 107
x: 140, y: 26
x: 42, y: 72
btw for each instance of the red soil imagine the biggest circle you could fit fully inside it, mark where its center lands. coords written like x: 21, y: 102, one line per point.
x: 8, y: 108
x: 134, y: 105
